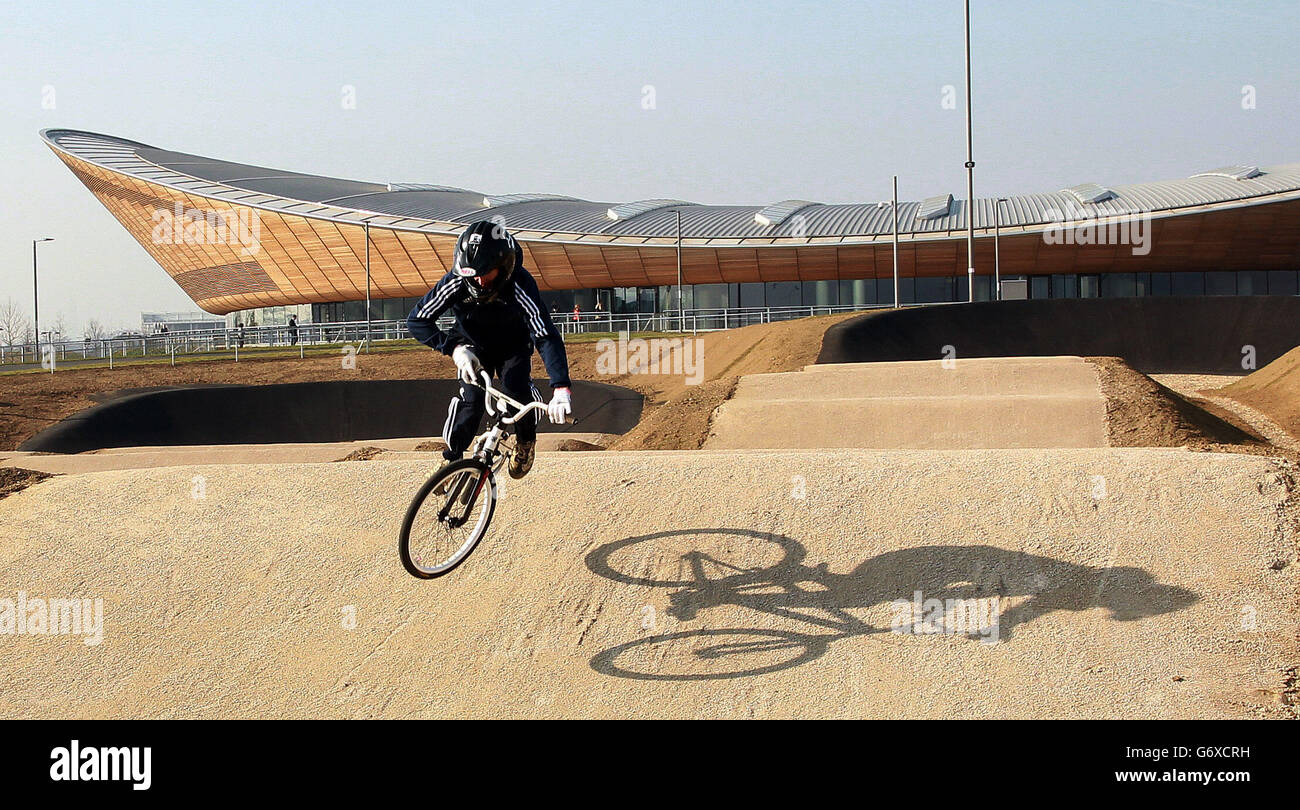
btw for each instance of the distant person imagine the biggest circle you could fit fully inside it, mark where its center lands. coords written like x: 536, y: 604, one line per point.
x: 555, y: 310
x: 599, y: 308
x: 499, y: 319
x: 293, y: 330
x: 239, y: 333
x: 575, y: 313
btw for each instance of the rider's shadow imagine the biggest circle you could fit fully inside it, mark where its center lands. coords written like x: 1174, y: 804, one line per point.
x: 1025, y: 585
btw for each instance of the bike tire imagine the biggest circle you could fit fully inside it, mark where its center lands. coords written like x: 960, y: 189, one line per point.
x: 485, y: 490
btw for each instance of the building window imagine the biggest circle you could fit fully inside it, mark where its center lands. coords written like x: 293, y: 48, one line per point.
x: 1220, y: 282
x: 1065, y: 286
x: 625, y: 299
x: 1252, y: 282
x: 753, y: 295
x: 710, y: 296
x: 1040, y: 287
x: 885, y: 290
x: 784, y: 293
x: 1282, y: 282
x: 930, y: 290
x: 906, y: 289
x: 647, y: 299
x: 1162, y: 284
x: 820, y: 293
x: 1189, y: 284
x: 859, y: 292
x: 1089, y: 286
x: 1118, y: 285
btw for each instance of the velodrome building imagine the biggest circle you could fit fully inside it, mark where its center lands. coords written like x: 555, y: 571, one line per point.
x: 238, y: 237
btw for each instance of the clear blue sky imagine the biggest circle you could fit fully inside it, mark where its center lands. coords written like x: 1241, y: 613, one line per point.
x: 755, y: 102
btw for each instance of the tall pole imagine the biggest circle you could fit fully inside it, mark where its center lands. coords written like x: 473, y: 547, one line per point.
x: 36, y: 301
x: 367, y: 288
x: 681, y: 302
x: 896, y: 242
x: 970, y: 177
x: 36, y: 298
x: 997, y: 253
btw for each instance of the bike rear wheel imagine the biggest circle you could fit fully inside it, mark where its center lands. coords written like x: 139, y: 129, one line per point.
x: 441, y: 528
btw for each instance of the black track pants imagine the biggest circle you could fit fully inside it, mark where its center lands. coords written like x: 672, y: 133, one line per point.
x: 466, y: 410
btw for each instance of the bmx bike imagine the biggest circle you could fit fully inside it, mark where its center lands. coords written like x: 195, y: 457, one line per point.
x: 451, y: 511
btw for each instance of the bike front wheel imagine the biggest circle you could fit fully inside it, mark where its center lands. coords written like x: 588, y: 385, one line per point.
x: 447, y: 518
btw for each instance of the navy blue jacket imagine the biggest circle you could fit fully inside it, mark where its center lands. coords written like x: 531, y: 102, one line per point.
x: 514, y: 323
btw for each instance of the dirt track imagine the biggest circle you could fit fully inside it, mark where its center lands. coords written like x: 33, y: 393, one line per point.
x: 1130, y: 582
x: 1125, y: 601
x: 31, y: 402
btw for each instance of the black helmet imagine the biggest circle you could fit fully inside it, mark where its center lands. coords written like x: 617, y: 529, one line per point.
x: 483, y: 247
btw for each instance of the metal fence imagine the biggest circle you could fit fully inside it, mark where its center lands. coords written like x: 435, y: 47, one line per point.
x: 270, y: 339
x: 230, y: 342
x: 692, y: 320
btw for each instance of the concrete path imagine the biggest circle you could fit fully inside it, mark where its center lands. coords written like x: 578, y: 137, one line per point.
x: 967, y: 404
x: 1130, y: 583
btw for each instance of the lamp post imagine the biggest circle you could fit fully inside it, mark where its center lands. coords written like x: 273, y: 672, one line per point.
x: 36, y: 298
x: 896, y: 243
x: 367, y: 288
x: 681, y: 302
x: 970, y: 177
x: 997, y: 254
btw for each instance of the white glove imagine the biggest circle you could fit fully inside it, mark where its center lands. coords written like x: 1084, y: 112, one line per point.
x: 561, y: 405
x: 467, y: 364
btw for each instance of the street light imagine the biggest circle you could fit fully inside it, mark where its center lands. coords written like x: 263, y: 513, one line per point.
x: 997, y: 266
x: 895, y: 207
x: 970, y: 178
x: 36, y: 299
x: 681, y: 304
x: 367, y: 224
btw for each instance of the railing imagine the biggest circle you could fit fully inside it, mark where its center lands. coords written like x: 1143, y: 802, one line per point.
x: 263, y: 340
x: 693, y: 320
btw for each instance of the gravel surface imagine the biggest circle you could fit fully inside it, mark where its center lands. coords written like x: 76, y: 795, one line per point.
x: 1193, y: 383
x: 1132, y: 583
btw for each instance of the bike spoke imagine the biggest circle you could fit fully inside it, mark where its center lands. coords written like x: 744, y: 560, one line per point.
x: 446, y: 526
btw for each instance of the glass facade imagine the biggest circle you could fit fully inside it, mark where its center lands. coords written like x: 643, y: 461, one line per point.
x: 859, y: 293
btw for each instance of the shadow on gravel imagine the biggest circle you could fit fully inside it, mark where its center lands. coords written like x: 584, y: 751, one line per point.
x: 767, y: 573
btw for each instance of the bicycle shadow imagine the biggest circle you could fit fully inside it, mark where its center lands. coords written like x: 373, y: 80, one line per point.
x: 819, y: 599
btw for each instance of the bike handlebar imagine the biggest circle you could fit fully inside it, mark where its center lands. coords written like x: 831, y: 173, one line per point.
x: 521, y: 409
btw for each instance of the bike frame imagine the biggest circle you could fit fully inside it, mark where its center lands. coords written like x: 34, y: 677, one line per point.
x: 486, y: 445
